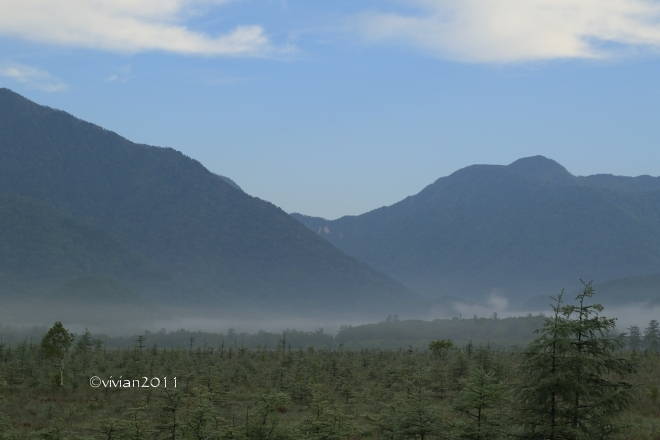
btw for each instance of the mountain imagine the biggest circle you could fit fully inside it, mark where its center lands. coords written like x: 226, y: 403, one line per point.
x: 637, y: 291
x: 220, y: 245
x: 518, y: 230
x: 541, y: 168
x: 229, y: 181
x: 41, y: 247
x: 54, y: 264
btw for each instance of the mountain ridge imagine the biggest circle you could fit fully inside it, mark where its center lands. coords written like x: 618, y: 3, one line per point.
x: 527, y: 226
x: 221, y: 243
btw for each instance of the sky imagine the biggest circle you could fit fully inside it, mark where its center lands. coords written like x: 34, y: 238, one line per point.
x: 339, y: 107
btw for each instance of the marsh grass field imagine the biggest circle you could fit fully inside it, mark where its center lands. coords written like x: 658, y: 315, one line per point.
x: 234, y: 392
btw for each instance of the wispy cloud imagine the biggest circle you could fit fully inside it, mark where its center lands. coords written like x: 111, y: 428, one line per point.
x: 519, y: 30
x: 32, y: 77
x: 122, y: 74
x: 127, y: 26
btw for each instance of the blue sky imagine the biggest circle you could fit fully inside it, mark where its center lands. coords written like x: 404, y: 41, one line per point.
x: 336, y: 108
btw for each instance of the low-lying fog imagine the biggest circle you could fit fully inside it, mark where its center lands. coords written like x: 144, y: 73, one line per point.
x: 626, y: 316
x: 117, y: 322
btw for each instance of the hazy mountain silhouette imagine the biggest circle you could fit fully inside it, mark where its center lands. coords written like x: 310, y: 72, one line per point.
x: 518, y: 230
x: 42, y: 248
x: 53, y: 265
x: 637, y: 291
x: 220, y: 244
x: 229, y: 181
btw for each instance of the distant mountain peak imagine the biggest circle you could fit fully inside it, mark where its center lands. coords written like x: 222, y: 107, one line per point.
x: 542, y: 168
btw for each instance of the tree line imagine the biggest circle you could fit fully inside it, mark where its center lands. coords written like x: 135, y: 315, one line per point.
x: 575, y: 380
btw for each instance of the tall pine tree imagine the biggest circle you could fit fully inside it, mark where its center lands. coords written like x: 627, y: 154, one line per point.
x: 572, y: 379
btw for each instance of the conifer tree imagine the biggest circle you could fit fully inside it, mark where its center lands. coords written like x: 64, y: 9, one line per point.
x: 460, y: 366
x: 171, y: 425
x: 6, y: 433
x: 572, y: 385
x: 56, y: 343
x: 84, y: 348
x: 324, y: 422
x: 634, y: 338
x: 416, y: 416
x: 265, y: 420
x: 204, y: 423
x: 441, y: 347
x: 479, y: 403
x: 135, y: 426
x: 652, y: 336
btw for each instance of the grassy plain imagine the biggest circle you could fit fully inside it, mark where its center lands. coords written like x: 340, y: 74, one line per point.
x: 269, y: 393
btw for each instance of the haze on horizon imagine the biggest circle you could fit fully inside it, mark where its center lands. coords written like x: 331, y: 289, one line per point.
x: 339, y: 108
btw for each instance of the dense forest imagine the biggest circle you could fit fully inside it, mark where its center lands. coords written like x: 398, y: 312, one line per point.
x: 577, y: 379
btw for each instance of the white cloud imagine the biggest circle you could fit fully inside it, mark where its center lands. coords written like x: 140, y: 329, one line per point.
x: 125, y: 26
x: 520, y: 30
x: 32, y: 77
x: 122, y: 74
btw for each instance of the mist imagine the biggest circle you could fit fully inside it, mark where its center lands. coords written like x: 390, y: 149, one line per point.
x: 21, y: 320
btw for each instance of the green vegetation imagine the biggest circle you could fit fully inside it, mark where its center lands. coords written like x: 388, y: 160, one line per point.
x: 55, y: 344
x: 91, y: 220
x: 490, y: 332
x: 392, y: 333
x: 573, y: 381
x: 571, y: 378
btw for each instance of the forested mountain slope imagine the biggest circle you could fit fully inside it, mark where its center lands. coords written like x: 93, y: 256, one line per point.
x: 53, y: 266
x: 42, y: 247
x: 518, y: 230
x: 171, y: 211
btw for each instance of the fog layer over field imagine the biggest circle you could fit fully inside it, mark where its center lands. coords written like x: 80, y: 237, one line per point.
x: 17, y: 319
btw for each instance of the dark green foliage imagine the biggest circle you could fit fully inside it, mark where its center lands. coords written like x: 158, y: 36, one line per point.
x: 55, y: 345
x: 134, y: 426
x: 634, y: 338
x: 170, y: 426
x: 270, y: 394
x: 57, y: 341
x: 652, y: 335
x: 522, y: 228
x: 83, y: 350
x: 6, y: 433
x: 324, y: 422
x: 480, y: 404
x: 441, y: 347
x: 498, y: 333
x: 572, y: 385
x: 415, y: 414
